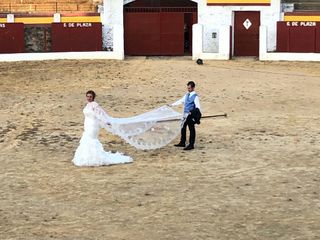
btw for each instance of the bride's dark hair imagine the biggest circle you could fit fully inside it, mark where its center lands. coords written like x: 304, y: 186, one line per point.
x: 92, y: 93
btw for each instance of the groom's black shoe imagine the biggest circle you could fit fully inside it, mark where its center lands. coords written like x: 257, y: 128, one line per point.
x: 180, y: 145
x: 189, y: 147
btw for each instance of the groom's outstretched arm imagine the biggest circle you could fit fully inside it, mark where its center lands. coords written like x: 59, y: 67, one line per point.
x: 179, y: 102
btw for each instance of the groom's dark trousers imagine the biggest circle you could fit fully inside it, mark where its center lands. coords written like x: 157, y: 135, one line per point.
x: 190, y: 123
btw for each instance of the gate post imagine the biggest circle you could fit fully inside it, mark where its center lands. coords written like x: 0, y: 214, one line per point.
x: 118, y: 41
x: 10, y: 18
x: 197, y: 35
x: 224, y: 42
x: 112, y: 20
x: 263, y: 43
x: 56, y: 17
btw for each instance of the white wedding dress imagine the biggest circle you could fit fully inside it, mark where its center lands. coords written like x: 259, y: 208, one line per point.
x: 147, y: 131
x: 90, y: 151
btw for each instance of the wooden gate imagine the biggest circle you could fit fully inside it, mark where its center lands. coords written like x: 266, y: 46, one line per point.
x: 11, y: 37
x: 301, y: 37
x: 157, y: 30
x: 141, y: 36
x: 68, y: 37
x: 246, y: 33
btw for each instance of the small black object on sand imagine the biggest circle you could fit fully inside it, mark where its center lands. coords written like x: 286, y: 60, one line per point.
x: 199, y: 61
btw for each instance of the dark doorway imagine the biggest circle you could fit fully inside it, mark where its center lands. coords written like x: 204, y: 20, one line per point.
x: 37, y: 38
x: 246, y: 33
x: 189, y: 20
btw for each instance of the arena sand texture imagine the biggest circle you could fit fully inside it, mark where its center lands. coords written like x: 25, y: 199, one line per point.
x: 254, y: 175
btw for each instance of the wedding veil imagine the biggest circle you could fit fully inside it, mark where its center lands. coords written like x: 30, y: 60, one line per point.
x: 150, y: 130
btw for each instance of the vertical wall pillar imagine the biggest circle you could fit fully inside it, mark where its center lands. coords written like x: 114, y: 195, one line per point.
x: 224, y: 42
x: 197, y: 35
x: 113, y: 28
x: 56, y: 18
x: 263, y: 42
x: 10, y: 18
x: 269, y: 18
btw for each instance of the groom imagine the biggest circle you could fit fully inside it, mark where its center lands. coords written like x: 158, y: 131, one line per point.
x: 191, y: 113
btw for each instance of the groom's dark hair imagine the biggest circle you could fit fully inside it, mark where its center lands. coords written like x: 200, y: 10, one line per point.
x: 92, y: 93
x: 191, y: 84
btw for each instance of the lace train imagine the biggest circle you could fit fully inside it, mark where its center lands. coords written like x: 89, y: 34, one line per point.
x: 90, y: 153
x: 150, y: 130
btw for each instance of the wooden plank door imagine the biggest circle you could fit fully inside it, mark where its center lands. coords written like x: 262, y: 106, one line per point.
x: 172, y: 34
x: 142, y: 33
x: 246, y: 33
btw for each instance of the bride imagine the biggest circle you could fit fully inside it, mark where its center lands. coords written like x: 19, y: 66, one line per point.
x: 90, y: 151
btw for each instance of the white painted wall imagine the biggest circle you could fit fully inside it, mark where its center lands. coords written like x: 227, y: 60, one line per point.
x: 17, y: 57
x: 210, y: 19
x: 215, y: 18
x: 223, y: 49
x: 113, y: 25
x: 113, y: 30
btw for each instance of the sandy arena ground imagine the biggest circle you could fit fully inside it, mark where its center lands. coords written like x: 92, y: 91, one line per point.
x: 254, y: 175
